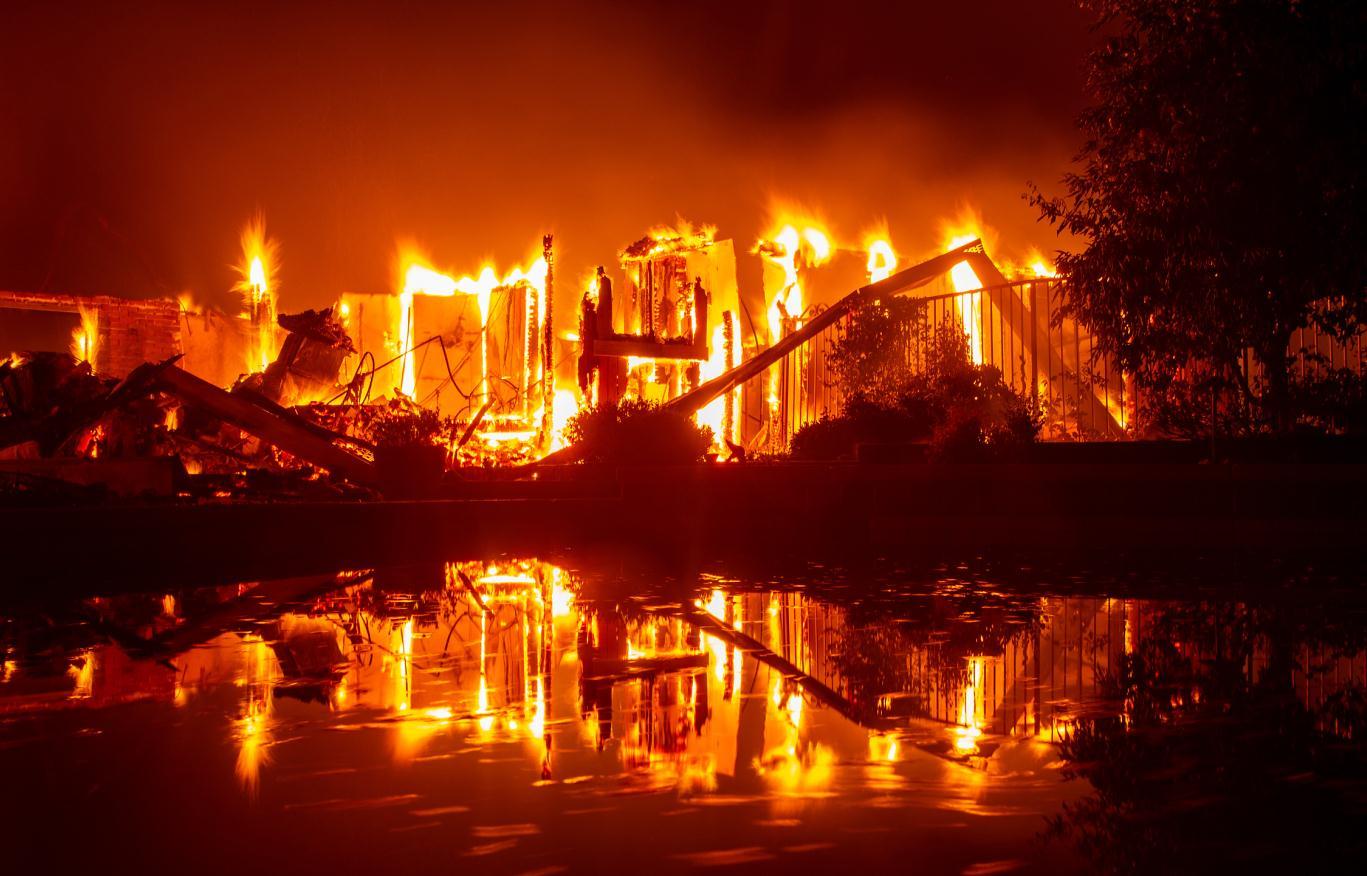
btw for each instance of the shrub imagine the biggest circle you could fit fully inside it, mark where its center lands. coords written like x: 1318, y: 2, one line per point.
x: 963, y: 411
x: 402, y: 428
x: 635, y: 432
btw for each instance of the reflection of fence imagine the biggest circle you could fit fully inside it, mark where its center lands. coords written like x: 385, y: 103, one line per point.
x: 1012, y: 327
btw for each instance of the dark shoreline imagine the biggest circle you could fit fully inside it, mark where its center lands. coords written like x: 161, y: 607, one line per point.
x: 699, y: 512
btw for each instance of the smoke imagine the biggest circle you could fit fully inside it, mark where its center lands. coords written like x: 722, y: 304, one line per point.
x: 140, y: 140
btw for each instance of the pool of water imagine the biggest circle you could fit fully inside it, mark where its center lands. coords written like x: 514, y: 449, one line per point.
x: 524, y: 716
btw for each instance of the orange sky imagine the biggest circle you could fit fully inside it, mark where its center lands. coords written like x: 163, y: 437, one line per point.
x: 138, y: 141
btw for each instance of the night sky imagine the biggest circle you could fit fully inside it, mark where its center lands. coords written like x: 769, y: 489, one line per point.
x: 136, y: 139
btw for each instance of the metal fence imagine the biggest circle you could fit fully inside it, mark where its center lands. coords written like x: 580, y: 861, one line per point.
x: 1011, y: 327
x: 1018, y: 329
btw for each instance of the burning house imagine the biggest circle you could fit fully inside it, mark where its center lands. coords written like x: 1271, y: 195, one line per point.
x: 487, y: 361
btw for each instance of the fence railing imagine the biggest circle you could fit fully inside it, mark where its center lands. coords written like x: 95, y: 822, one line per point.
x: 1010, y: 327
x: 1018, y: 329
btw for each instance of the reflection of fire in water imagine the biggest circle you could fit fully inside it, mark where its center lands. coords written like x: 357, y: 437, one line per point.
x: 82, y: 674
x: 492, y: 650
x: 655, y: 687
x: 970, y: 709
x: 253, y: 726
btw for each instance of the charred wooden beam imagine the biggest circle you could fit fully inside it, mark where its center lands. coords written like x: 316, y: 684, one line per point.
x: 645, y: 348
x: 276, y: 426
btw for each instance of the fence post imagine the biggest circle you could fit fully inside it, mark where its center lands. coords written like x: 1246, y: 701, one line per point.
x: 1034, y: 342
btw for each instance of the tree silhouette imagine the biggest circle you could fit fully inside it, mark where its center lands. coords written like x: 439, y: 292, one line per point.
x: 1220, y: 192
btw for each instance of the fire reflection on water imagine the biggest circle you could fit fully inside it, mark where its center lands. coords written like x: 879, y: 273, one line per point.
x: 517, y: 653
x: 253, y: 726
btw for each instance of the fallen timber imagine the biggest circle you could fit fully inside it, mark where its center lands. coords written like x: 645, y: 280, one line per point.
x: 267, y: 421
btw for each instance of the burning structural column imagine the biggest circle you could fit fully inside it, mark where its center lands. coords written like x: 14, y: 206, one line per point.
x: 548, y: 340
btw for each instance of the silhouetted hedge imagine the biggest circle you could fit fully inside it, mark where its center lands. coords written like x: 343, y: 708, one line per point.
x: 637, y: 432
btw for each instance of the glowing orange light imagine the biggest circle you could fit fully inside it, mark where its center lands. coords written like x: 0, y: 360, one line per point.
x: 882, y: 260
x: 257, y: 272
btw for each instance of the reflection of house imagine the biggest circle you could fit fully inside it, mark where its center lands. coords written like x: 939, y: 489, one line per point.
x: 595, y: 687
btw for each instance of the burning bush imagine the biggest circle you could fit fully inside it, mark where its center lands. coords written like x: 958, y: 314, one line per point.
x: 637, y: 432
x: 963, y: 411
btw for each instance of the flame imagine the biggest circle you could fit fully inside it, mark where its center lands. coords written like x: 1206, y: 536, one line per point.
x: 84, y: 339
x: 257, y: 271
x: 682, y: 235
x: 1039, y: 265
x: 418, y: 277
x: 882, y: 259
x: 965, y: 229
x: 791, y: 247
x: 563, y: 409
x: 713, y: 413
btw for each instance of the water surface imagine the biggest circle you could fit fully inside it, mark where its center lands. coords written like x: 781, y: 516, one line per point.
x: 519, y: 716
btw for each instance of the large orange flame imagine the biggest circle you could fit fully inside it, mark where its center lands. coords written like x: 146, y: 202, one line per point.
x: 882, y: 259
x: 967, y: 227
x: 257, y: 281
x: 418, y: 277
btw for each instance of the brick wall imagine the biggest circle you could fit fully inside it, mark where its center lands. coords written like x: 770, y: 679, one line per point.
x: 130, y: 332
x: 134, y: 332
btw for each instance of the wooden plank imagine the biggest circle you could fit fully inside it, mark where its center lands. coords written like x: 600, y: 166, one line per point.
x: 647, y: 349
x: 277, y: 427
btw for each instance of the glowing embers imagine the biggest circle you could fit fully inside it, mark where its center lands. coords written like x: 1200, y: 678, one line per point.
x: 679, y: 237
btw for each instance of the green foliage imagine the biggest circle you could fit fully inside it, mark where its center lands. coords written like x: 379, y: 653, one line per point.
x: 408, y: 428
x: 962, y: 410
x: 1220, y: 193
x: 637, y: 432
x: 874, y: 347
